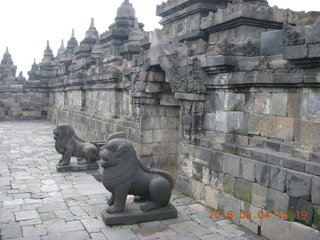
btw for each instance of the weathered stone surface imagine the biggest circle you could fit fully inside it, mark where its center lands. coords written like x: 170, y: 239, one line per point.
x: 278, y: 178
x: 277, y: 201
x: 216, y: 163
x: 313, y: 168
x: 275, y: 228
x: 247, y: 169
x: 315, y: 190
x: 271, y: 42
x: 230, y: 203
x: 307, y: 207
x: 212, y: 197
x: 243, y: 190
x: 298, y: 184
x: 262, y: 174
x: 229, y: 184
x: 300, y: 231
x: 259, y: 195
x: 231, y: 164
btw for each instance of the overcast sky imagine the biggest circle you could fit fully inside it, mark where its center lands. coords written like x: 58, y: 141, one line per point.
x: 26, y: 25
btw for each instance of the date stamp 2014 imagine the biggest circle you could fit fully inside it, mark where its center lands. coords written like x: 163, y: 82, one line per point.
x: 215, y: 215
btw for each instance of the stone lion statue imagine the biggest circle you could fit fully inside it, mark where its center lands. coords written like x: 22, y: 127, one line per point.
x: 124, y: 174
x: 70, y: 145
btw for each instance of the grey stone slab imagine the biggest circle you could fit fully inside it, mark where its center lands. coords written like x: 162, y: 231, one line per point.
x: 304, y: 206
x: 259, y: 195
x: 315, y: 190
x: 275, y: 228
x: 79, y: 235
x: 299, y: 231
x: 277, y: 201
x: 313, y: 168
x: 294, y: 164
x: 298, y: 184
x: 271, y: 43
x: 230, y: 203
x: 247, y: 169
x: 116, y: 234
x: 216, y: 163
x: 262, y: 174
x: 73, y: 166
x: 231, y: 164
x: 189, y: 226
x: 278, y: 178
x: 133, y: 214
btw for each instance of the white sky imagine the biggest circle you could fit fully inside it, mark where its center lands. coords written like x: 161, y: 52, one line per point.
x: 26, y: 25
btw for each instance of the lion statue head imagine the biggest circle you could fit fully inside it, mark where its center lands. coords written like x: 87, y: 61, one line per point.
x: 63, y: 131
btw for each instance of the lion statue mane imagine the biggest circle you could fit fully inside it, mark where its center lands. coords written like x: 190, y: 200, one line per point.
x: 70, y: 145
x: 124, y: 174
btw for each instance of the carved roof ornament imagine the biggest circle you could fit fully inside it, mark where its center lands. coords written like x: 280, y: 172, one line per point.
x: 126, y: 10
x: 6, y: 60
x: 48, y: 52
x: 92, y: 31
x: 72, y: 43
x: 61, y: 50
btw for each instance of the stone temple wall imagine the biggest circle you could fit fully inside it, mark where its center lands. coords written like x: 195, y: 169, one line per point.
x: 227, y: 93
x: 19, y: 98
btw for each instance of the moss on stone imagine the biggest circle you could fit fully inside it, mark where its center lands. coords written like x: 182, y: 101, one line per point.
x: 228, y: 184
x: 243, y: 190
x: 316, y: 218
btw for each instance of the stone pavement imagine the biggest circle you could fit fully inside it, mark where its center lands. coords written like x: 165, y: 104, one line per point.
x: 37, y: 203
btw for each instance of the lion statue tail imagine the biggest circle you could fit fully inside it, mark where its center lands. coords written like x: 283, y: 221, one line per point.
x: 162, y: 173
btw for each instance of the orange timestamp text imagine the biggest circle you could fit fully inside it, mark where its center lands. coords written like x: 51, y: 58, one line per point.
x: 256, y: 215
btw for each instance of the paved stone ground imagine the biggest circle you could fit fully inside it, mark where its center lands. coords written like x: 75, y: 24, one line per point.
x: 37, y: 203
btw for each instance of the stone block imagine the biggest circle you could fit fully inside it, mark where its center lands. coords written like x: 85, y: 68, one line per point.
x: 277, y: 127
x: 294, y: 164
x: 254, y: 124
x: 243, y: 190
x: 244, y: 151
x: 206, y: 175
x: 198, y: 190
x: 230, y: 203
x: 313, y: 168
x: 298, y: 184
x: 314, y: 50
x: 231, y: 164
x: 301, y: 154
x: 262, y: 174
x: 315, y: 190
x: 295, y: 52
x: 259, y: 195
x: 209, y: 121
x: 212, y: 197
x: 229, y: 184
x: 275, y: 228
x: 277, y: 201
x: 216, y: 180
x: 197, y: 171
x: 247, y: 169
x: 262, y: 103
x: 315, y: 157
x: 229, y: 122
x: 169, y: 100
x: 216, y: 163
x: 169, y: 122
x: 275, y: 159
x: 310, y: 108
x: 299, y: 231
x: 278, y: 178
x: 307, y: 207
x: 234, y: 101
x: 259, y: 154
x: 271, y: 43
x: 279, y: 103
x: 184, y: 185
x: 204, y: 155
x: 316, y: 217
x: 294, y: 104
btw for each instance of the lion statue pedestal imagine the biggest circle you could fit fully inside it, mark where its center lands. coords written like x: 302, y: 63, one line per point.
x: 123, y: 175
x: 70, y: 145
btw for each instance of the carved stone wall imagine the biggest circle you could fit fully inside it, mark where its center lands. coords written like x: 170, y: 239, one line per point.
x: 227, y: 92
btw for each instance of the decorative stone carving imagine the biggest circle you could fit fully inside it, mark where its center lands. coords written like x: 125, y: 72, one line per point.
x: 70, y: 145
x: 124, y: 174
